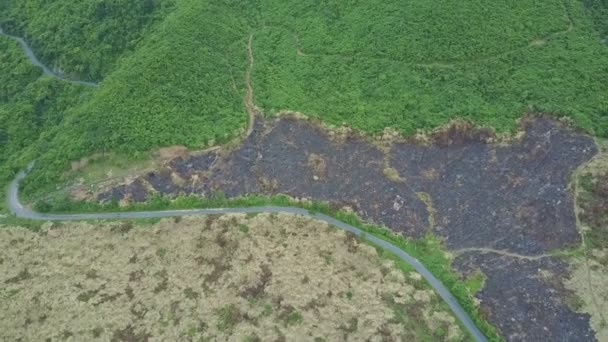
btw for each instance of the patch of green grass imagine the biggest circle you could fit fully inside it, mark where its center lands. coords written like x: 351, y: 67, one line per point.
x: 243, y: 228
x: 294, y: 318
x: 12, y: 221
x: 586, y: 181
x: 228, y: 317
x: 267, y: 310
x: 475, y: 282
x: 439, y: 332
x: 252, y: 338
x: 161, y: 253
x: 109, y: 165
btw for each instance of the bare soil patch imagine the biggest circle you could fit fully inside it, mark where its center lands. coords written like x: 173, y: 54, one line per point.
x: 232, y: 277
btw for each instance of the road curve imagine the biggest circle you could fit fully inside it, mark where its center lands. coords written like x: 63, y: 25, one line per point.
x: 19, y: 210
x: 35, y: 61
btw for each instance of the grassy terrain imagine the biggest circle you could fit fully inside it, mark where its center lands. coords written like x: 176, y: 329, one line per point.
x: 178, y: 77
x: 218, y: 277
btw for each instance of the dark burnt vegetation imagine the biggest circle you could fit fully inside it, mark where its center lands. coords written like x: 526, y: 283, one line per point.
x: 511, y: 196
x: 539, y: 306
x: 483, y: 194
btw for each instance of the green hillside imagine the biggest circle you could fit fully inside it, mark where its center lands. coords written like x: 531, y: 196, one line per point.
x: 31, y: 107
x: 82, y: 38
x: 417, y: 64
x: 173, y: 71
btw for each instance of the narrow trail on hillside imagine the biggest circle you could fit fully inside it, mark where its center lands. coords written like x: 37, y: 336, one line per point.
x: 300, y: 52
x: 19, y: 210
x: 35, y: 61
x: 484, y: 250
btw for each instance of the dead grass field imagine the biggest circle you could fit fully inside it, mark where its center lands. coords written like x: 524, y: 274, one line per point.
x: 233, y: 277
x: 590, y: 271
x: 588, y: 281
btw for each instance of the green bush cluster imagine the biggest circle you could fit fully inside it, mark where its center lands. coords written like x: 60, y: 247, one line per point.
x: 598, y: 10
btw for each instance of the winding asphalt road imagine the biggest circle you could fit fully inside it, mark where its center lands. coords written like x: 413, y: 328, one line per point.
x: 21, y: 211
x: 35, y: 61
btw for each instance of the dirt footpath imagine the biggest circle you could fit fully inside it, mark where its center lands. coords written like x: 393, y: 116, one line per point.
x: 458, y: 183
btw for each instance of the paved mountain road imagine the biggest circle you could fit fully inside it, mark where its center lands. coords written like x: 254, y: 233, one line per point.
x: 21, y: 211
x: 35, y: 61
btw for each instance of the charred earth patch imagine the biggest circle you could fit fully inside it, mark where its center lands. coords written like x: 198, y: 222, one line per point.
x: 459, y: 183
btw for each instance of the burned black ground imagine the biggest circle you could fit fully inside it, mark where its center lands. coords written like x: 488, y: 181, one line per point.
x: 459, y: 184
x: 526, y: 299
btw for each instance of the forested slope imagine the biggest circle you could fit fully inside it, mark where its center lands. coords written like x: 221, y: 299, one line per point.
x: 417, y: 64
x: 83, y: 39
x: 32, y: 108
x: 598, y: 10
x: 179, y: 87
x: 173, y: 70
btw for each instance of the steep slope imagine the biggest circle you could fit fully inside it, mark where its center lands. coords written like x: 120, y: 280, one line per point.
x: 31, y: 107
x: 412, y: 65
x: 179, y: 87
x: 370, y: 65
x: 83, y: 39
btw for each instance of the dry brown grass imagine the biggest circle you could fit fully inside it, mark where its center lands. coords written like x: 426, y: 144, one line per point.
x: 589, y: 273
x: 232, y: 277
x: 588, y: 281
x: 170, y: 152
x: 318, y: 165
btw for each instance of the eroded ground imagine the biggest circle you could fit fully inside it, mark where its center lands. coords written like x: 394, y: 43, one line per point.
x: 460, y: 183
x: 233, y: 277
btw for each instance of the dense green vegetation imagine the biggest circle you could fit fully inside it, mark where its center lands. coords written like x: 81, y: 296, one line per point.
x: 177, y: 88
x: 408, y: 65
x: 31, y: 108
x: 82, y: 38
x: 598, y: 10
x: 488, y: 61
